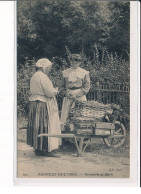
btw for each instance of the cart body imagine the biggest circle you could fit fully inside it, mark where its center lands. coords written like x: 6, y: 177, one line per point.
x: 87, y: 121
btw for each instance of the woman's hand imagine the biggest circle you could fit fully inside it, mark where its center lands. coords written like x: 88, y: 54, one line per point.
x: 68, y: 94
x: 56, y: 91
x: 73, y: 97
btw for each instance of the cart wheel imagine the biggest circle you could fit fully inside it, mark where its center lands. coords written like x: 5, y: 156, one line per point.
x: 116, y: 141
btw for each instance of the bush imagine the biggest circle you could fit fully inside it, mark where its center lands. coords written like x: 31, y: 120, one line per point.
x: 104, y: 68
x: 23, y: 84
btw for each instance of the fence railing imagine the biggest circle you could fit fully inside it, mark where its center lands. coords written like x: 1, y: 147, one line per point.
x: 107, y: 94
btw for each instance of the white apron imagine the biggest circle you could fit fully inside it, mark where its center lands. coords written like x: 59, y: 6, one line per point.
x: 42, y: 89
x: 54, y: 124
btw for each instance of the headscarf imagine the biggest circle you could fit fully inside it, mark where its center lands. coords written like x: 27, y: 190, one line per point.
x: 44, y: 63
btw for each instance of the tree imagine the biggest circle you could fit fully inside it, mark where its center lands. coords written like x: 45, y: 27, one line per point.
x: 119, y: 39
x: 46, y: 27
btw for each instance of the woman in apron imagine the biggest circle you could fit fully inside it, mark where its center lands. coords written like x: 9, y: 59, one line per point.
x: 76, y: 84
x: 43, y: 111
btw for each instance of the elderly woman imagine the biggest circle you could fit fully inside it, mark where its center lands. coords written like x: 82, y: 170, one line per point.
x: 43, y: 111
x: 76, y: 83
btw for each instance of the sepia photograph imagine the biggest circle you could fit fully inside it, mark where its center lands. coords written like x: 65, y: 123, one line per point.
x: 73, y: 89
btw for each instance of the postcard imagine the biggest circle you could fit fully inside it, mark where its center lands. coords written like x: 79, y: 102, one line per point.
x: 76, y: 90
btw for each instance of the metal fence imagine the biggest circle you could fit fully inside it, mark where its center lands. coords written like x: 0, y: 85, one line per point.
x: 107, y: 94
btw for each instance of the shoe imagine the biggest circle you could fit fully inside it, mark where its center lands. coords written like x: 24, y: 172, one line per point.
x: 49, y: 154
x: 38, y: 152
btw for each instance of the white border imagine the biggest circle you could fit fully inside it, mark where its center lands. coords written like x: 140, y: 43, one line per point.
x: 134, y: 67
x: 138, y: 88
x: 15, y: 94
x: 6, y: 92
x: 134, y: 30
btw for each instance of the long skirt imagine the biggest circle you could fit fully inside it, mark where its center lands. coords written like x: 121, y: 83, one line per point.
x: 37, y: 123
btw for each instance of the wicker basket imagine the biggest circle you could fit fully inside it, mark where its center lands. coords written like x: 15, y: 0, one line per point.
x: 85, y: 114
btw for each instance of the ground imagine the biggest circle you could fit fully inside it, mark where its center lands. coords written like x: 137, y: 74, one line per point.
x: 97, y: 161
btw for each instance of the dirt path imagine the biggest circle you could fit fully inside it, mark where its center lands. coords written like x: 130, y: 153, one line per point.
x: 97, y: 161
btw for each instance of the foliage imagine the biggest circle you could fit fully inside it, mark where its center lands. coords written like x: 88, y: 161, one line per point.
x: 99, y: 31
x: 109, y: 70
x: 46, y: 27
x: 23, y: 81
x: 119, y: 28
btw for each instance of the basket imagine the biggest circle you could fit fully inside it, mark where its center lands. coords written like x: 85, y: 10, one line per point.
x: 85, y: 114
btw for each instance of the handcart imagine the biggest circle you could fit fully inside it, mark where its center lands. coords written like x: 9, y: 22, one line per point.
x: 93, y: 120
